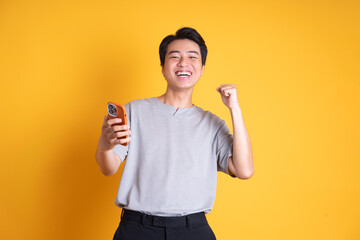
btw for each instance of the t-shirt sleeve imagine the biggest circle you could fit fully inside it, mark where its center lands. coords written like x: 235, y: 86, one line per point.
x: 224, y: 147
x: 119, y: 149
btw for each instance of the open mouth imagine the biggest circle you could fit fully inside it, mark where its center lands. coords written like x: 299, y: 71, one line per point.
x: 183, y: 74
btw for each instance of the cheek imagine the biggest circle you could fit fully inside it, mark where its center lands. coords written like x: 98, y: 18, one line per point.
x: 168, y: 71
x: 198, y: 67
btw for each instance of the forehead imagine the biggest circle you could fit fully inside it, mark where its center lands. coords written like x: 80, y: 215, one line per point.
x: 183, y: 45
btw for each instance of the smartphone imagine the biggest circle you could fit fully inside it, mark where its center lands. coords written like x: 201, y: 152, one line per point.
x: 118, y: 111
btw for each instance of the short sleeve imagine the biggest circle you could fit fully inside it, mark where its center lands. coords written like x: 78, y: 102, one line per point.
x: 224, y: 147
x: 119, y: 149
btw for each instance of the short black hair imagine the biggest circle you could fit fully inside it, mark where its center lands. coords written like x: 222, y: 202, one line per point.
x: 183, y: 33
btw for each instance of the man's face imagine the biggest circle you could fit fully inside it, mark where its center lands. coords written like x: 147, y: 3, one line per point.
x: 182, y: 68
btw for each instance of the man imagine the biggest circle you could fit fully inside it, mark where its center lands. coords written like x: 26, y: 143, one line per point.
x: 175, y: 150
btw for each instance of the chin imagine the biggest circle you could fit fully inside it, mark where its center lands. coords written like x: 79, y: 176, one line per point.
x: 182, y: 87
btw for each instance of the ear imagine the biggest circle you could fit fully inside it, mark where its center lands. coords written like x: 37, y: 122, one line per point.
x: 202, y: 69
x: 162, y: 70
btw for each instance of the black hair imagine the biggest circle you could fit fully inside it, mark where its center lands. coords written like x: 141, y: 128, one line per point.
x: 183, y: 33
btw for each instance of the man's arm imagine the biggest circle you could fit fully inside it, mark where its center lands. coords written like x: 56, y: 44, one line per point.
x: 241, y: 163
x: 108, y: 161
x: 110, y: 136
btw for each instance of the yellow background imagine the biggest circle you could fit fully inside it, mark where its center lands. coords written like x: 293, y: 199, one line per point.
x: 296, y: 65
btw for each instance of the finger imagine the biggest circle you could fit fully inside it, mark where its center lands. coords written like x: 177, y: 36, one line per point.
x: 228, y: 86
x: 223, y: 91
x: 115, y: 141
x: 113, y: 121
x: 105, y: 121
x: 111, y: 136
x: 226, y: 93
x: 123, y: 140
x: 122, y: 134
x: 117, y: 128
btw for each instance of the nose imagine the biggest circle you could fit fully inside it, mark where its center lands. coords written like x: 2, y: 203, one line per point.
x: 183, y: 62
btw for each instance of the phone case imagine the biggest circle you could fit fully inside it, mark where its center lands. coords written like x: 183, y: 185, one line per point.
x: 118, y: 111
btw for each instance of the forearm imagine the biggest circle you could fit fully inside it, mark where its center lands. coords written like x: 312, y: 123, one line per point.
x: 242, y: 152
x: 108, y: 161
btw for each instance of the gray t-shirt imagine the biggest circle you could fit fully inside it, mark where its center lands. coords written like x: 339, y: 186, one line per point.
x: 173, y: 158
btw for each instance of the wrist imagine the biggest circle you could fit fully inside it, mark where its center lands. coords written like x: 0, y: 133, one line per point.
x: 235, y: 109
x: 102, y: 149
x: 236, y: 114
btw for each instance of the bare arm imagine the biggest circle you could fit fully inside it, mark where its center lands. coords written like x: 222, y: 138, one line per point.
x: 241, y: 163
x: 108, y: 161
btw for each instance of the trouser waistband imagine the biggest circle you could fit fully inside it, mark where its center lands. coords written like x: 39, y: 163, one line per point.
x: 182, y: 221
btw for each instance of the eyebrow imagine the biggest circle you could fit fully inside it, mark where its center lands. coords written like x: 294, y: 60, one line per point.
x: 186, y: 52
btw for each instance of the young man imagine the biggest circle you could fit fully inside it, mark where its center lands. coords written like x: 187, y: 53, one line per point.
x: 175, y: 150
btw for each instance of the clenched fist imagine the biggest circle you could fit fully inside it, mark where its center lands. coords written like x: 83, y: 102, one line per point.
x: 229, y: 95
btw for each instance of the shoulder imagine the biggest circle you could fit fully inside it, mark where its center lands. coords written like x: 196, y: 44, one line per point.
x: 138, y: 106
x: 210, y: 117
x: 139, y: 103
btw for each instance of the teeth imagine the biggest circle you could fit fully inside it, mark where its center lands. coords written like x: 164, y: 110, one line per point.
x: 183, y: 74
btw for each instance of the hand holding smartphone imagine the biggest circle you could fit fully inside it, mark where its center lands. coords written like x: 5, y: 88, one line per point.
x: 118, y: 111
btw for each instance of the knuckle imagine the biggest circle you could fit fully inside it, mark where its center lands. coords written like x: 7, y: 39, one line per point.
x: 125, y: 140
x: 123, y: 133
x: 115, y: 141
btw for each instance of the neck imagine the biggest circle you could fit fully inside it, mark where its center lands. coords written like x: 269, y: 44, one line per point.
x: 182, y: 99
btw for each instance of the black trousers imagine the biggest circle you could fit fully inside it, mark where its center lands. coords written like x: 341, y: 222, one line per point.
x: 138, y: 226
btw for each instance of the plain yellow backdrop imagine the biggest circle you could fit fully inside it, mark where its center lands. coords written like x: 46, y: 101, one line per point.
x: 297, y: 68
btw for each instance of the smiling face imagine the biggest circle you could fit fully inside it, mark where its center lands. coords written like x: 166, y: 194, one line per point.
x: 182, y: 68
